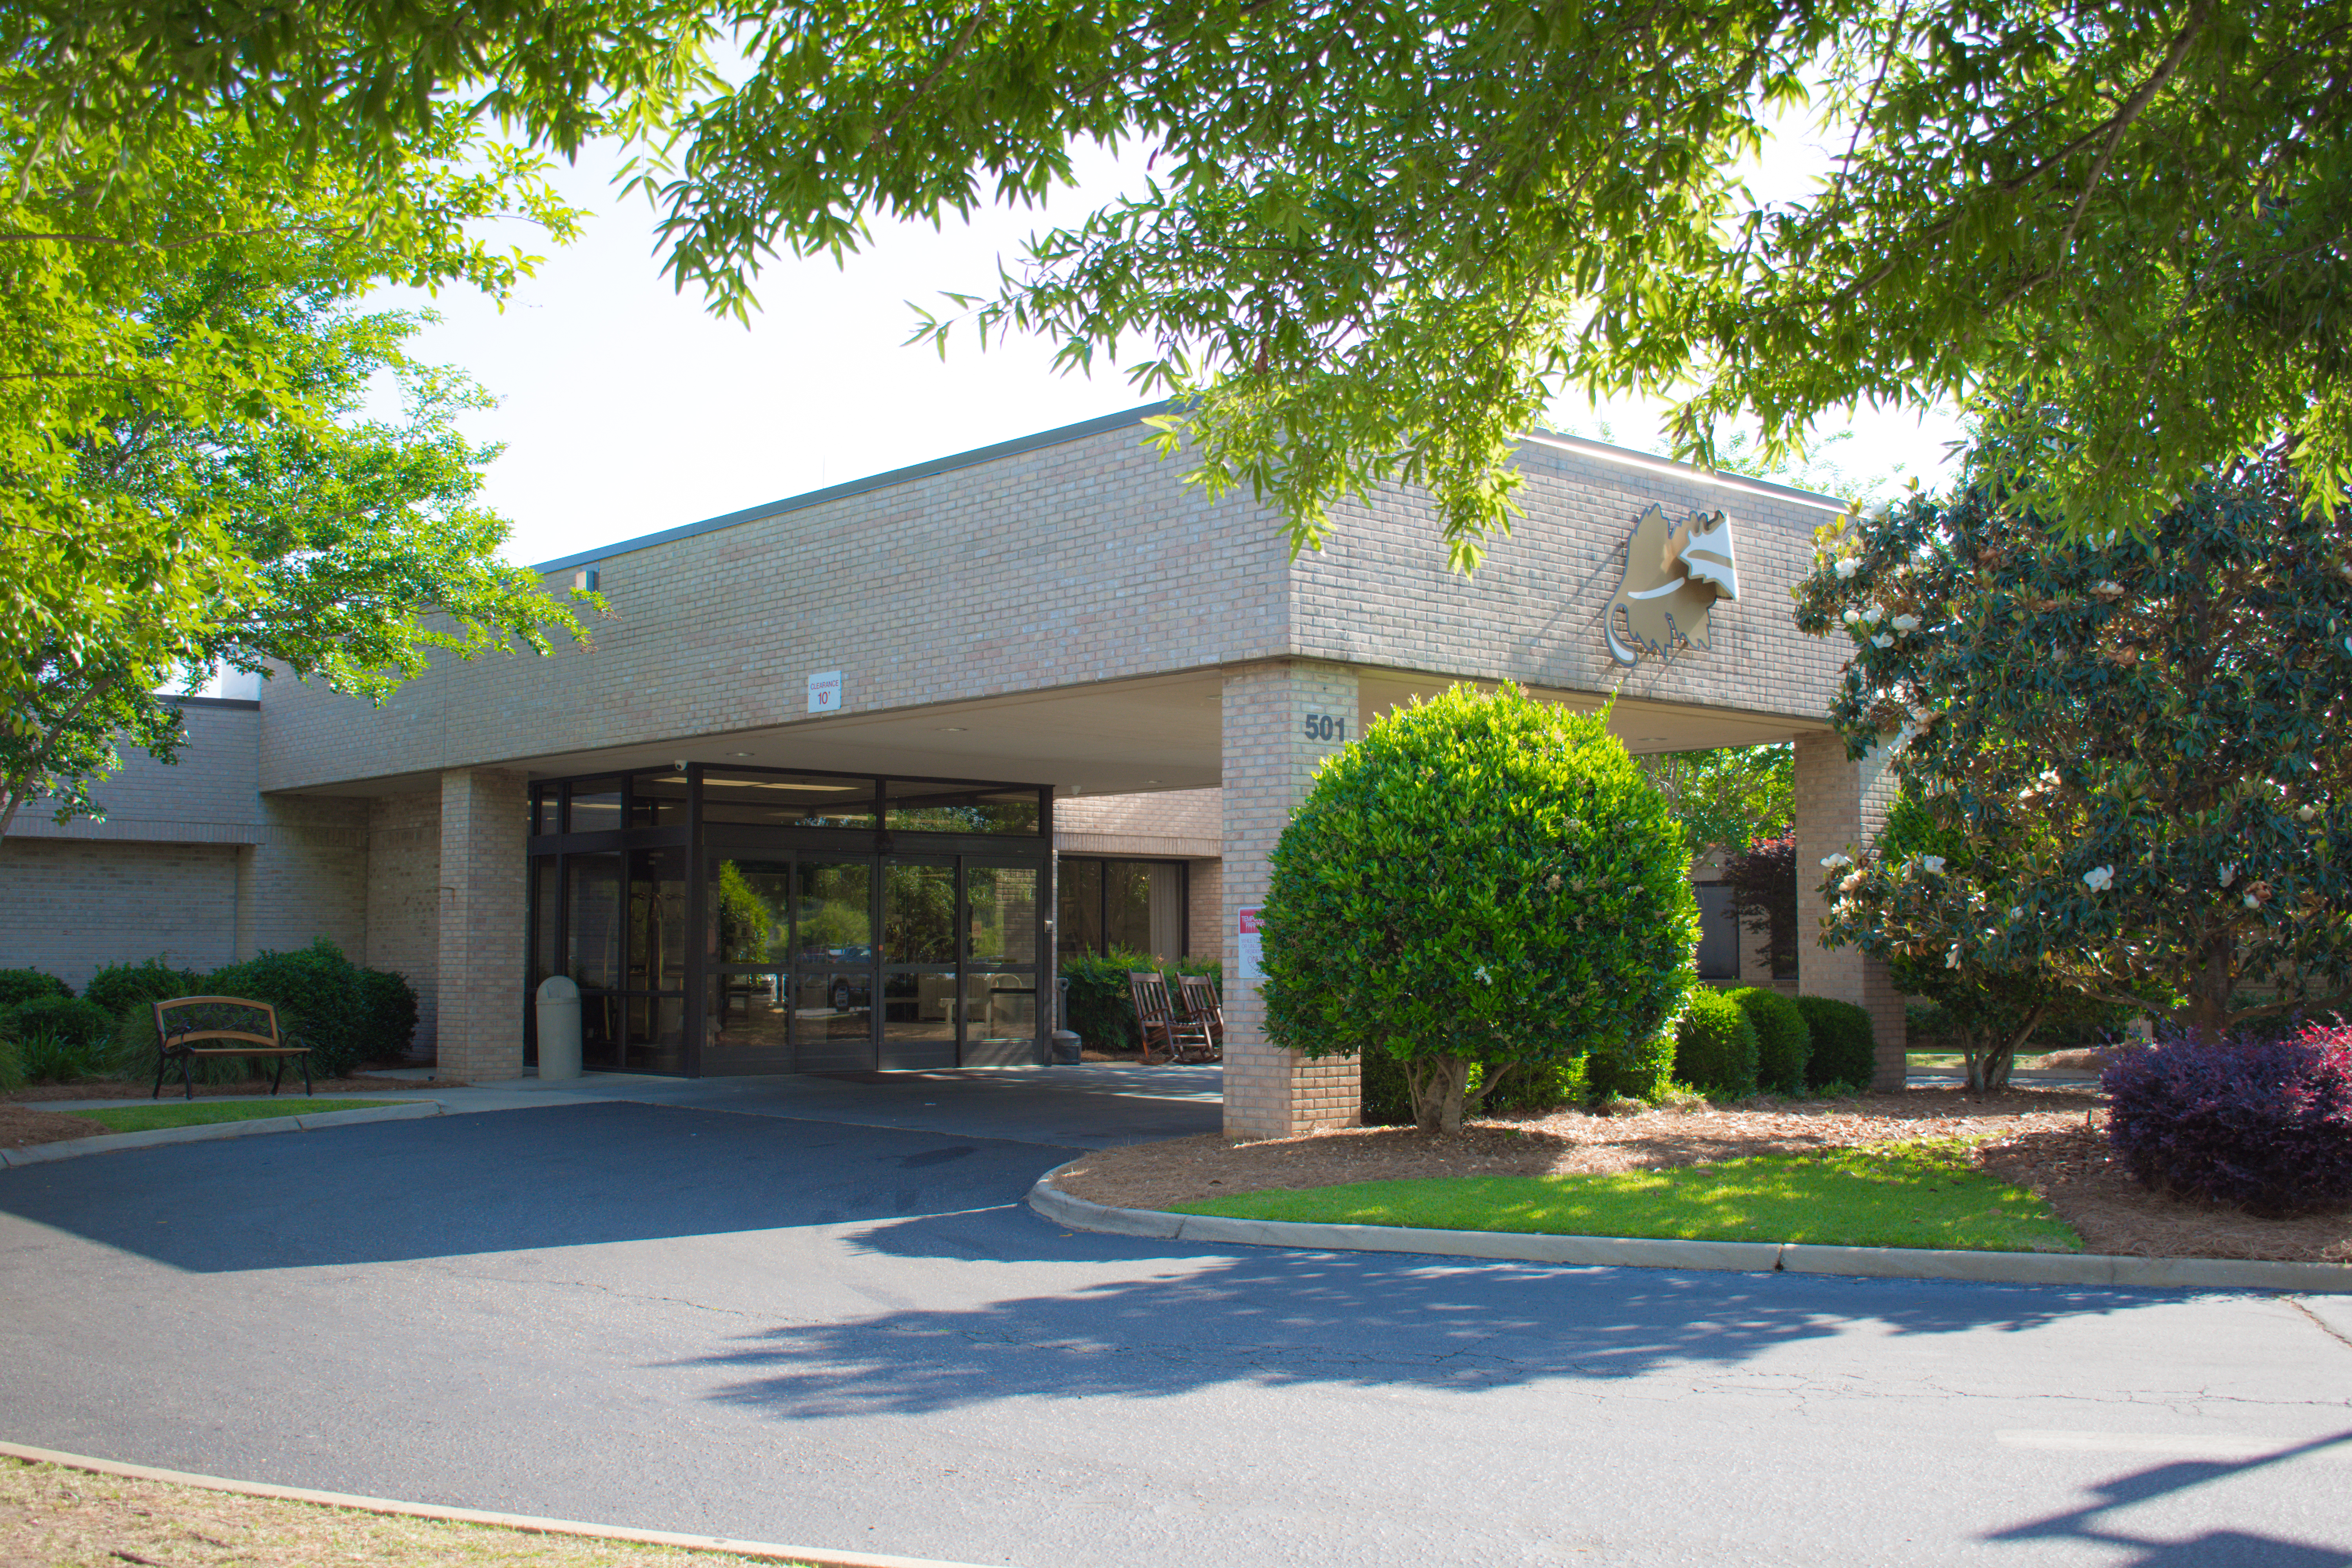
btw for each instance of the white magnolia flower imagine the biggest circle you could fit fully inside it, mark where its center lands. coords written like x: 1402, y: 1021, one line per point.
x: 2229, y: 873
x: 1906, y: 623
x: 1831, y: 862
x: 1852, y: 880
x: 1934, y: 863
x: 1846, y: 567
x: 1883, y: 639
x: 2253, y: 902
x: 2017, y: 912
x: 1872, y: 616
x: 1952, y: 956
x: 1852, y: 617
x: 2099, y: 878
x: 2306, y: 812
x: 2108, y: 590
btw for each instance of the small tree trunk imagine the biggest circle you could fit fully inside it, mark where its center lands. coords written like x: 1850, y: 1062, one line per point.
x: 1438, y: 1084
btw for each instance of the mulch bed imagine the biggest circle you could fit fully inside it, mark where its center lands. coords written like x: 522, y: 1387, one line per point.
x: 357, y: 1083
x: 22, y: 1126
x: 2049, y: 1140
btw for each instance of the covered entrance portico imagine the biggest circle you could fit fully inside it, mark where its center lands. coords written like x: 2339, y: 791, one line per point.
x: 770, y: 842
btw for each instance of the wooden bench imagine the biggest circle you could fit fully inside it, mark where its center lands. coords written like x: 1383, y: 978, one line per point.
x: 1168, y: 1036
x: 187, y: 1027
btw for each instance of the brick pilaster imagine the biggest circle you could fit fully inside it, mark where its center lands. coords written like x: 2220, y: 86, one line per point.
x: 1269, y: 762
x: 1841, y: 806
x: 481, y: 935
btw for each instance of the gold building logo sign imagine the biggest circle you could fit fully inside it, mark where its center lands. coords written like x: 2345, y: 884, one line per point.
x: 1675, y: 572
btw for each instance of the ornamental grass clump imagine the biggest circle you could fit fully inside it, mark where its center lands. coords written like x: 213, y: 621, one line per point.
x: 1481, y: 881
x: 2263, y: 1124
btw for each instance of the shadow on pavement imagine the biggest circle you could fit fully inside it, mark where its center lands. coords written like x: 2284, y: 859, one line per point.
x: 2214, y: 1549
x: 1276, y: 1317
x: 557, y: 1176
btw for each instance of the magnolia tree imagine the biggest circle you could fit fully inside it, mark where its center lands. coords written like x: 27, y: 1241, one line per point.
x: 2134, y: 746
x: 1481, y: 881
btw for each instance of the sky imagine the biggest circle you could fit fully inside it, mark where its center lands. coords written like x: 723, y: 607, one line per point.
x: 625, y: 408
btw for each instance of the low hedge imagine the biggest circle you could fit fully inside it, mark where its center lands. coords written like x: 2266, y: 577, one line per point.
x: 24, y: 984
x: 1784, y: 1041
x: 54, y: 1039
x: 1102, y: 1009
x: 2263, y: 1124
x: 1636, y: 1070
x: 1716, y: 1048
x: 141, y: 984
x: 1845, y: 1045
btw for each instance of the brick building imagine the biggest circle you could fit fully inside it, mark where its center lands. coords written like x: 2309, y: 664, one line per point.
x: 839, y: 774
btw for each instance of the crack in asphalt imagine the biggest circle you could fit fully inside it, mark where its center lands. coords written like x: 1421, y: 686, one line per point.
x: 2322, y: 1324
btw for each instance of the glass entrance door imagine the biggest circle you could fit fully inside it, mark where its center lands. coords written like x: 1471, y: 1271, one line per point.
x: 847, y: 964
x: 921, y: 1002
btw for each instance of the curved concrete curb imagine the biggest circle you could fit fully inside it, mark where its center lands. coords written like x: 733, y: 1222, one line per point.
x: 259, y: 1126
x: 810, y: 1554
x: 1746, y: 1257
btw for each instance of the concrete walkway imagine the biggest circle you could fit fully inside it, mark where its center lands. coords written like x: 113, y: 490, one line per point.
x: 1095, y: 1105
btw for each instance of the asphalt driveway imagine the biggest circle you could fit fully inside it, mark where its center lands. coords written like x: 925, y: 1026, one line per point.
x: 853, y: 1335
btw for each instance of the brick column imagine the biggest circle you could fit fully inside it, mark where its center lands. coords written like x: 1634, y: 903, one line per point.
x: 1269, y: 761
x: 1841, y: 806
x: 481, y: 932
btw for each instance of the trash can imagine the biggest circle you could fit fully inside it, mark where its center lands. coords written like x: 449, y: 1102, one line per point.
x: 558, y: 1028
x: 1069, y: 1049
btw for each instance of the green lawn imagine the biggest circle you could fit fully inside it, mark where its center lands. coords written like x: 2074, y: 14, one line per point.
x: 185, y: 1113
x: 1889, y: 1195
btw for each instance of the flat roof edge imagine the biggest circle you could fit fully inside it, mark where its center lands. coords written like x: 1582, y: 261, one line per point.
x: 1629, y: 458
x: 922, y: 471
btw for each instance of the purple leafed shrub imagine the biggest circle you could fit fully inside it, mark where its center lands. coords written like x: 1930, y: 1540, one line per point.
x: 2266, y: 1125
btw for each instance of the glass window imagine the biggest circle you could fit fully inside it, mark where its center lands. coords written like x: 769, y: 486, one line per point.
x: 658, y: 800
x: 751, y: 911
x: 656, y: 919
x: 833, y: 907
x: 1719, y: 933
x: 657, y: 1034
x: 1001, y: 1005
x: 592, y: 924
x: 595, y: 807
x: 918, y: 912
x: 787, y: 800
x: 916, y: 807
x: 1001, y: 913
x: 1081, y: 901
x: 546, y: 809
x: 542, y: 915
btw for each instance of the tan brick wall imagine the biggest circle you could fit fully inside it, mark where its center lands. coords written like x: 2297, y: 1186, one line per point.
x: 1841, y: 805
x: 69, y: 907
x: 404, y: 899
x: 206, y: 797
x: 479, y: 930
x: 1204, y: 918
x: 1269, y: 765
x: 1379, y: 593
x: 307, y: 877
x: 1177, y: 824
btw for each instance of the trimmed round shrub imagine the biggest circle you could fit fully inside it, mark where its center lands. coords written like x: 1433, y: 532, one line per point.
x: 388, y: 1009
x: 1533, y: 1090
x: 1481, y: 880
x: 1846, y: 1047
x: 141, y: 984
x: 1716, y: 1047
x: 1784, y: 1042
x: 316, y: 991
x: 1643, y: 1070
x: 24, y: 984
x: 2263, y: 1124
